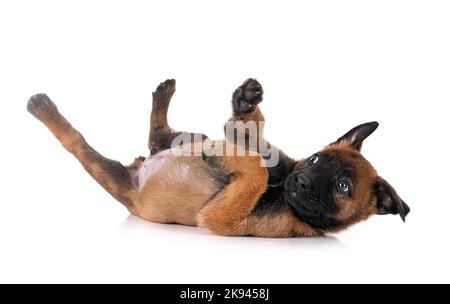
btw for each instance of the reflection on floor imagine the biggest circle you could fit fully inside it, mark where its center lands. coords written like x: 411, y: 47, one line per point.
x: 136, y: 224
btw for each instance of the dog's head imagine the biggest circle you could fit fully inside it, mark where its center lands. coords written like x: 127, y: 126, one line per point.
x: 338, y: 187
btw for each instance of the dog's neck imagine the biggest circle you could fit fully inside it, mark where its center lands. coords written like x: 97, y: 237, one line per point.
x: 279, y: 173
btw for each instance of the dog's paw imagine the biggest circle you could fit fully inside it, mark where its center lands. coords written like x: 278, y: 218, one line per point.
x: 164, y: 90
x: 40, y: 105
x: 247, y: 97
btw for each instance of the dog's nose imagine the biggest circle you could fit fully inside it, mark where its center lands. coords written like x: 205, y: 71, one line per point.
x: 302, y: 183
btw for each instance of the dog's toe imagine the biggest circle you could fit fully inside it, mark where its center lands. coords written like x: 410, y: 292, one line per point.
x: 252, y: 84
x: 246, y: 107
x: 165, y: 88
x: 39, y: 104
x: 247, y: 97
x: 251, y: 94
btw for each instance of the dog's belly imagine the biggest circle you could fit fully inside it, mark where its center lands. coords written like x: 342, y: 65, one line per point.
x: 151, y: 167
x: 173, y: 189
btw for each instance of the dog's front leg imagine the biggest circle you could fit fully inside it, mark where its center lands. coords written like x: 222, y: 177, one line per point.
x: 245, y: 128
x: 229, y: 210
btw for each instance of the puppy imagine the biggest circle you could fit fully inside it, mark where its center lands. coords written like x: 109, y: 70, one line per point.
x: 227, y: 187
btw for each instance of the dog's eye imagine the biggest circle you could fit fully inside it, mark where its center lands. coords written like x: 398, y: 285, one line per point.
x: 342, y: 186
x: 313, y: 159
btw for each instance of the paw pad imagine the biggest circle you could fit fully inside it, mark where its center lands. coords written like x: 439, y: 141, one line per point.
x: 247, y: 97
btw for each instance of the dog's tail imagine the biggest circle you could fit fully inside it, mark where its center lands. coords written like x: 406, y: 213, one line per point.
x: 110, y: 174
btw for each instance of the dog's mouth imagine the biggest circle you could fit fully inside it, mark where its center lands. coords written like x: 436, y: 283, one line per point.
x: 306, y: 203
x: 310, y: 200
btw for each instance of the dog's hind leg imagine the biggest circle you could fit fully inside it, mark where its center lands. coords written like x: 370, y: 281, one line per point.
x: 161, y: 102
x: 110, y: 174
x: 161, y: 135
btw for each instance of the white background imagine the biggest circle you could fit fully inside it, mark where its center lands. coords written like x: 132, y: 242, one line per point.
x: 326, y: 66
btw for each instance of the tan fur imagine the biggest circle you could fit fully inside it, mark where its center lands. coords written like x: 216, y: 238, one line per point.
x: 362, y: 204
x: 278, y: 226
x: 97, y: 166
x: 170, y: 198
x: 257, y: 117
x: 227, y: 212
x: 188, y: 191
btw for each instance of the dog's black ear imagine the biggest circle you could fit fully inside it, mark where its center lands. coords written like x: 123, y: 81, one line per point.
x: 356, y: 136
x: 388, y: 201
